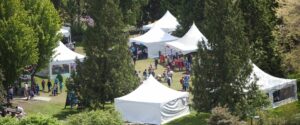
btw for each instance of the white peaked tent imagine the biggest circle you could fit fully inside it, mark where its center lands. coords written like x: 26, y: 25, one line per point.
x: 168, y: 23
x: 154, y: 40
x: 189, y: 42
x: 153, y: 103
x: 280, y: 91
x: 63, y: 56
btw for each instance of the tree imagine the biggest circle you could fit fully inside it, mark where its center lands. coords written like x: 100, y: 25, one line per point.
x: 97, y: 117
x: 261, y: 21
x: 2, y: 90
x: 221, y: 68
x: 46, y: 23
x: 107, y: 72
x: 151, y: 11
x: 131, y: 10
x: 187, y: 11
x: 221, y: 116
x: 17, y: 39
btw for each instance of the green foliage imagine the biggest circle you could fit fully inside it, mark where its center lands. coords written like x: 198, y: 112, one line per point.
x: 60, y: 77
x: 224, y: 67
x: 97, y: 117
x: 151, y: 12
x: 39, y: 119
x: 187, y: 11
x: 46, y: 23
x: 107, y: 71
x: 131, y: 10
x: 261, y: 21
x: 8, y: 121
x: 191, y: 119
x: 18, y: 40
x: 221, y: 116
x: 2, y: 89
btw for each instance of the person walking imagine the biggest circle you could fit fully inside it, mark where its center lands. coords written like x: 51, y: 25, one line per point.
x: 49, y: 84
x: 156, y: 62
x: 43, y: 85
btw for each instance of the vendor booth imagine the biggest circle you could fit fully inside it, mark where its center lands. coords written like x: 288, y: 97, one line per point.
x: 280, y: 91
x: 153, y: 103
x: 168, y: 23
x: 154, y: 40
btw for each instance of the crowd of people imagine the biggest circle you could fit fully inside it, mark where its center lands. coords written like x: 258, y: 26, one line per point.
x: 172, y: 62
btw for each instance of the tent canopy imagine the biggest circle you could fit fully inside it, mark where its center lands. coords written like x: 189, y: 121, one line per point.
x: 152, y: 103
x: 152, y: 91
x: 189, y: 42
x: 266, y: 82
x: 168, y: 23
x: 63, y: 54
x: 65, y: 31
x: 154, y: 40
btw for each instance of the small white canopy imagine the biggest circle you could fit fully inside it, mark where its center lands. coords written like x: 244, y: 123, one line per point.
x: 65, y: 31
x: 153, y: 103
x: 154, y: 40
x: 63, y: 55
x: 189, y: 42
x: 65, y: 58
x: 271, y: 84
x: 168, y: 23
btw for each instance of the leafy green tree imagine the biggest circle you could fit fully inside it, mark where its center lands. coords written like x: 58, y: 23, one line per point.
x: 107, y: 71
x: 221, y: 116
x: 151, y: 11
x: 131, y: 10
x: 46, y: 23
x: 222, y: 68
x: 39, y: 119
x: 187, y: 11
x: 18, y: 40
x: 261, y: 21
x: 97, y: 117
x: 2, y: 90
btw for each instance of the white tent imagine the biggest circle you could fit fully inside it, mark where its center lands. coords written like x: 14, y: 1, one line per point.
x: 279, y: 90
x: 168, y: 23
x: 153, y: 103
x: 189, y: 42
x: 154, y: 40
x: 64, y: 59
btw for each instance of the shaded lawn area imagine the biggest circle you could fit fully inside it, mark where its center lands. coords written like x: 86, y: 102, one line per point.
x: 192, y: 119
x: 285, y: 111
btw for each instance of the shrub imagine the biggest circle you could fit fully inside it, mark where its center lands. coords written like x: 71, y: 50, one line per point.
x: 221, y: 116
x: 97, y: 117
x: 8, y: 121
x: 39, y: 119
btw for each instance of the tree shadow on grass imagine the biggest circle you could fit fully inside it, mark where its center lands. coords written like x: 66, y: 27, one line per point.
x: 192, y: 119
x: 65, y: 113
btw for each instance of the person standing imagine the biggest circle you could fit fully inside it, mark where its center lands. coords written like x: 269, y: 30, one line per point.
x: 186, y: 81
x: 43, y: 85
x: 156, y: 62
x: 169, y: 80
x: 49, y: 84
x: 26, y: 91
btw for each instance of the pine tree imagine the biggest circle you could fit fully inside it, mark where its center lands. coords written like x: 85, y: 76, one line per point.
x: 261, y: 21
x: 131, y: 10
x: 107, y: 71
x: 222, y: 69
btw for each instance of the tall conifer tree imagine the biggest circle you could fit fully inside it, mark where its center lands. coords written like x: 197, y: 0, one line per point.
x: 261, y: 20
x: 107, y: 71
x: 221, y: 70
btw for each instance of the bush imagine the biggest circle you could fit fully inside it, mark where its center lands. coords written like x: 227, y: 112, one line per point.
x: 39, y: 119
x: 221, y: 116
x: 8, y: 121
x: 97, y: 117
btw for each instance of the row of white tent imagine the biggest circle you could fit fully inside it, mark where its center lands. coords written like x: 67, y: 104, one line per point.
x: 155, y: 103
x: 147, y: 105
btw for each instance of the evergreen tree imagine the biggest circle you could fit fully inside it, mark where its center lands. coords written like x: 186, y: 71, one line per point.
x: 152, y: 11
x: 131, y: 10
x: 261, y: 20
x: 2, y: 90
x: 45, y: 21
x: 18, y: 46
x: 221, y: 70
x: 107, y: 71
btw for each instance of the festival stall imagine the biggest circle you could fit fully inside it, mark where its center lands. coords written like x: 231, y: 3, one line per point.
x: 154, y: 40
x: 280, y: 91
x: 63, y: 61
x: 153, y: 103
x: 168, y: 23
x: 188, y: 43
